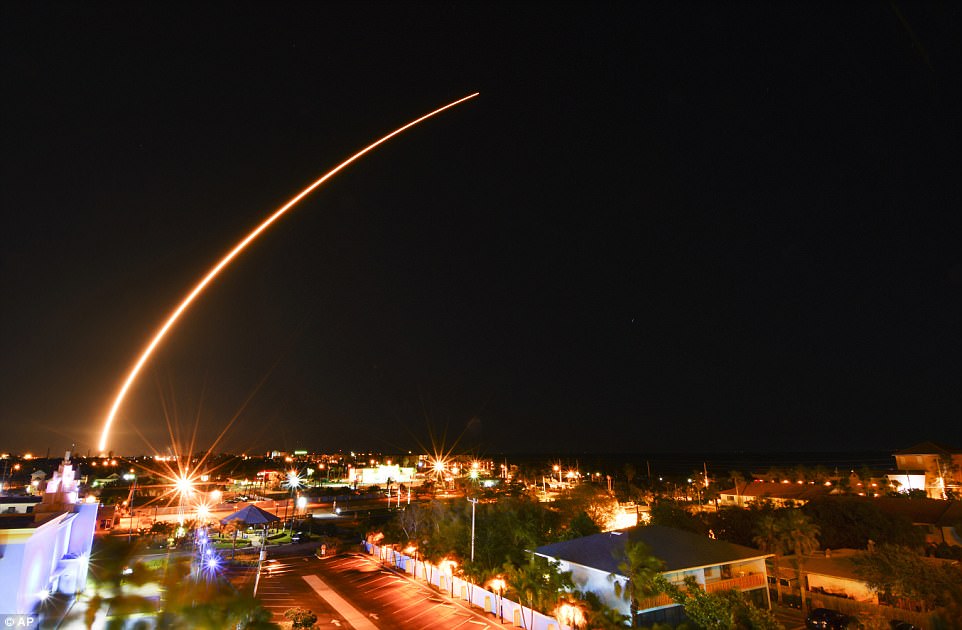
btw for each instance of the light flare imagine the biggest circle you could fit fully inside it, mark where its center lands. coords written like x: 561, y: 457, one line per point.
x: 226, y: 260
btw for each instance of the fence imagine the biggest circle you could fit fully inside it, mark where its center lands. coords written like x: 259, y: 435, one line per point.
x: 868, y: 612
x: 488, y: 601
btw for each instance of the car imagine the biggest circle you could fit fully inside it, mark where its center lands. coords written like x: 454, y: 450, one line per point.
x: 827, y: 619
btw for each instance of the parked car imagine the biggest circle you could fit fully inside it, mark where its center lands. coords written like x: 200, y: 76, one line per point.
x: 827, y: 619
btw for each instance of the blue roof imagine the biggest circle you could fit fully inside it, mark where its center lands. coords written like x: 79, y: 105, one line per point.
x: 677, y: 548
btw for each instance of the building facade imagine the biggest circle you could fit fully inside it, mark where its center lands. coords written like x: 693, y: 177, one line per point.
x: 714, y: 564
x: 46, y: 551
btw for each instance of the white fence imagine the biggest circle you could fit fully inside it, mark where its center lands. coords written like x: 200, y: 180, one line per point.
x: 512, y: 612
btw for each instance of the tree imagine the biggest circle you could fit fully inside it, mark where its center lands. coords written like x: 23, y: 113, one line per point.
x: 232, y: 528
x: 850, y: 522
x: 188, y: 601
x: 586, y: 500
x: 726, y: 610
x: 669, y: 514
x: 768, y: 538
x: 114, y: 565
x: 582, y: 525
x: 897, y: 571
x: 629, y: 477
x: 738, y: 525
x: 798, y: 533
x: 301, y: 617
x: 598, y: 616
x: 738, y: 480
x: 640, y: 569
x: 538, y: 583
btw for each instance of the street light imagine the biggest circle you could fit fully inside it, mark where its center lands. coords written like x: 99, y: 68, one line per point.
x: 448, y: 567
x: 293, y: 482
x: 570, y: 615
x: 473, y: 503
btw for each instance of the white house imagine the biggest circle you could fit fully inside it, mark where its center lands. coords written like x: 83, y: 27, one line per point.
x: 779, y: 494
x: 716, y: 565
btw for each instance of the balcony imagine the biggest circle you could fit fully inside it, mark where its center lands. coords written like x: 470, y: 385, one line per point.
x: 655, y: 602
x: 752, y: 580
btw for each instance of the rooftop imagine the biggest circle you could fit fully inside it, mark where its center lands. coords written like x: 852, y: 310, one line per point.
x: 928, y: 448
x: 793, y: 491
x: 677, y: 548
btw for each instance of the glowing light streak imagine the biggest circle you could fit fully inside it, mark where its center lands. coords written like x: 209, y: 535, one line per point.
x: 226, y: 260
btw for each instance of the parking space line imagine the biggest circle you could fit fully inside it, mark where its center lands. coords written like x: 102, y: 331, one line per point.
x: 350, y: 614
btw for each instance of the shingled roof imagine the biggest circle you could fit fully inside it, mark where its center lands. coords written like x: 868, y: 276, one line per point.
x: 677, y: 548
x: 928, y: 511
x: 787, y: 491
x: 928, y: 448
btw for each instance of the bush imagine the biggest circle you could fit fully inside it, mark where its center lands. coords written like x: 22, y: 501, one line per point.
x: 301, y: 617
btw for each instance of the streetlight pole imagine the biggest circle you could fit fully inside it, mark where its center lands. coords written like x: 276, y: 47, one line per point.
x: 498, y: 585
x: 473, y: 502
x: 130, y: 507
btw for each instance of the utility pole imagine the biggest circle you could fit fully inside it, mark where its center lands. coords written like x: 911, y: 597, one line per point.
x: 130, y: 507
x: 473, y: 502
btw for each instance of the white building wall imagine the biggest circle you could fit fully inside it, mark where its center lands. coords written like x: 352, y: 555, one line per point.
x: 841, y: 586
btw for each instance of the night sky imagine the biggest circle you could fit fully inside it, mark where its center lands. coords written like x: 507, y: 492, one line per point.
x: 661, y: 227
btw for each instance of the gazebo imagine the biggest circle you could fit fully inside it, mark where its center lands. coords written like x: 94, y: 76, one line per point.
x: 250, y: 515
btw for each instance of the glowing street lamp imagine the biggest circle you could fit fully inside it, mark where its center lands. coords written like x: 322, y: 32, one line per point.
x: 448, y: 566
x: 498, y: 585
x: 183, y: 486
x: 293, y: 482
x: 570, y: 615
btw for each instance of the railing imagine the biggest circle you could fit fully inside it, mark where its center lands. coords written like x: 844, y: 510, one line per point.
x: 655, y: 602
x: 752, y: 580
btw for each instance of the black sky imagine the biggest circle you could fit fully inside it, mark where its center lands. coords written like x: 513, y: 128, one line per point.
x: 661, y: 226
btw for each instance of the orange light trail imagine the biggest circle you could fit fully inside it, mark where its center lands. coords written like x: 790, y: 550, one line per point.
x: 226, y: 260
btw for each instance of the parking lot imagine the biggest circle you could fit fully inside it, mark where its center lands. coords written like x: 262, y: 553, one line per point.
x: 353, y: 591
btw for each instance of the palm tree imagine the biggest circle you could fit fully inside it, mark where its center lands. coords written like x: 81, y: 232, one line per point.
x: 641, y: 570
x: 539, y: 582
x: 799, y: 533
x: 629, y: 476
x: 232, y: 528
x: 114, y: 565
x: 737, y: 479
x: 523, y: 580
x: 769, y: 540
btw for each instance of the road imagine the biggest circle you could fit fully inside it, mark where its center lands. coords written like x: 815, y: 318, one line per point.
x: 791, y: 618
x: 353, y: 591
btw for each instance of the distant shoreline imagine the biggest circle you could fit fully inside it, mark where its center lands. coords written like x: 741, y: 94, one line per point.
x: 717, y: 463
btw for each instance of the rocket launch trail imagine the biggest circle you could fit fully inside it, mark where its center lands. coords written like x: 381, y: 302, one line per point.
x: 236, y: 251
